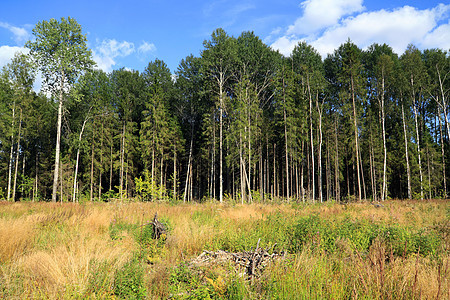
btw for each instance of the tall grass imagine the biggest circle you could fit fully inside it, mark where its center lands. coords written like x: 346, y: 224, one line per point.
x: 106, y: 250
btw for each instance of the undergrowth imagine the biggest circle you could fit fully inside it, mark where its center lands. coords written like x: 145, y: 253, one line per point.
x: 109, y: 251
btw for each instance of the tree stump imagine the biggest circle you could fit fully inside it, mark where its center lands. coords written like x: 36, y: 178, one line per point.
x: 158, y: 228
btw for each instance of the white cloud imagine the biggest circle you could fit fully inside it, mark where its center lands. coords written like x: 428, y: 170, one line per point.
x: 397, y: 28
x: 285, y: 45
x: 7, y: 53
x: 108, y: 50
x: 319, y: 14
x: 438, y: 38
x: 113, y: 48
x: 21, y: 35
x: 146, y: 47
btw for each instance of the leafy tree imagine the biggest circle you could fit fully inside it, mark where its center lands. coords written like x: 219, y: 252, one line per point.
x: 218, y: 62
x: 21, y: 74
x: 61, y: 53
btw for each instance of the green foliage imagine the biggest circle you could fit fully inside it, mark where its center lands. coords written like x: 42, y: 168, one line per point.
x: 188, y: 282
x: 118, y: 227
x: 321, y: 234
x: 149, y: 190
x: 129, y: 280
x: 60, y: 50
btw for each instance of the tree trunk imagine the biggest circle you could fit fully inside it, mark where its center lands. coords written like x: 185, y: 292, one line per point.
x: 174, y: 172
x: 408, y: 170
x: 122, y: 158
x: 383, y: 118
x: 77, y: 162
x: 416, y: 119
x: 286, y: 142
x: 319, y: 163
x: 101, y: 167
x: 336, y: 164
x: 91, y: 195
x: 221, y: 137
x: 312, y: 142
x: 17, y: 158
x: 111, y: 167
x: 58, y: 140
x: 188, y: 169
x: 11, y: 153
x: 355, y: 123
x: 241, y: 170
x: 442, y: 153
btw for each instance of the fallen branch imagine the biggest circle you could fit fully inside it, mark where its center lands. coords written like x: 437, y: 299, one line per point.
x: 251, y: 262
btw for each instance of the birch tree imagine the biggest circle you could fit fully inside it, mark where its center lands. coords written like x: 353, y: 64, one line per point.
x: 60, y: 50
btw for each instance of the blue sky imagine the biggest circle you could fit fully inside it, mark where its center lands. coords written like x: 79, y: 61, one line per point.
x: 132, y: 33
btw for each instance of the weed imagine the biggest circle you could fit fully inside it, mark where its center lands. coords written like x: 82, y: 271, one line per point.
x: 129, y: 280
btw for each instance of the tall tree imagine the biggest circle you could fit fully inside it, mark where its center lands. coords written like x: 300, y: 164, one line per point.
x: 61, y: 53
x: 351, y: 78
x: 20, y: 73
x: 381, y: 72
x: 414, y: 71
x: 308, y: 64
x: 218, y: 60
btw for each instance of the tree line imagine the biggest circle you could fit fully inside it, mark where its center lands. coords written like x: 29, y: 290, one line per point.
x: 240, y: 121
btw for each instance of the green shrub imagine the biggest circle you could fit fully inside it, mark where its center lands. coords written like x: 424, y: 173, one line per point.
x: 129, y: 280
x: 322, y: 234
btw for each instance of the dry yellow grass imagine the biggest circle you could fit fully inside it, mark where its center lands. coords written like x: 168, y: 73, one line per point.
x: 51, y: 250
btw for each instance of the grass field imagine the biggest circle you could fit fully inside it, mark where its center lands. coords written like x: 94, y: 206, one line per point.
x: 334, y: 251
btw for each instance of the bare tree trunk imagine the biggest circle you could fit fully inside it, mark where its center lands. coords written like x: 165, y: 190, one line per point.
x: 17, y: 158
x: 302, y: 169
x: 11, y: 152
x: 91, y: 195
x: 313, y: 171
x: 429, y: 172
x: 101, y: 167
x: 371, y: 161
x: 241, y: 170
x: 383, y: 118
x: 75, y: 177
x: 274, y: 172
x: 408, y: 170
x: 362, y: 176
x: 161, y: 185
x: 35, y: 186
x: 111, y: 167
x: 186, y: 186
x: 336, y: 164
x: 122, y: 158
x: 61, y: 183
x: 442, y: 153
x: 174, y: 172
x: 416, y: 119
x: 58, y: 139
x: 319, y: 163
x: 222, y: 80
x: 286, y: 142
x: 355, y: 123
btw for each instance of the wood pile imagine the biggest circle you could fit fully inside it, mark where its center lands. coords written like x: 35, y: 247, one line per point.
x: 252, y: 263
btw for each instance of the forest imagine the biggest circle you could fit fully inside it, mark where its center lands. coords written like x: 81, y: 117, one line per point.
x: 238, y: 122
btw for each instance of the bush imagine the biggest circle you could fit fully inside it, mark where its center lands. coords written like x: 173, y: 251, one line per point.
x: 321, y: 234
x: 129, y: 280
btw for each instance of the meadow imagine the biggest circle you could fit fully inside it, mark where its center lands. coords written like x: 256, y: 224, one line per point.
x: 92, y: 250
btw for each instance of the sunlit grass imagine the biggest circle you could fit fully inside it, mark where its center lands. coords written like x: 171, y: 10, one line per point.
x: 79, y: 250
